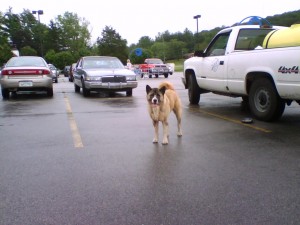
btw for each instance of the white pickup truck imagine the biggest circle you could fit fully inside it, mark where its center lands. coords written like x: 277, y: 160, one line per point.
x: 251, y: 62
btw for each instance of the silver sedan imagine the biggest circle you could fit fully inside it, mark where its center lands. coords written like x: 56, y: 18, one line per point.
x: 26, y: 73
x: 103, y: 73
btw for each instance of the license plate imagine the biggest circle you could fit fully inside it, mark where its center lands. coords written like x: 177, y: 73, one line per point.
x: 25, y: 84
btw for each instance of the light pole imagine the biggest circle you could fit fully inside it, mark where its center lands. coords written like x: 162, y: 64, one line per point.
x: 39, y: 12
x: 196, y: 18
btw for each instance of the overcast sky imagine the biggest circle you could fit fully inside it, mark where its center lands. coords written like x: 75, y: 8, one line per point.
x: 133, y: 19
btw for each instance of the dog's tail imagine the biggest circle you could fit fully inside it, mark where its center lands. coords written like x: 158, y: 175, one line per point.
x: 167, y: 85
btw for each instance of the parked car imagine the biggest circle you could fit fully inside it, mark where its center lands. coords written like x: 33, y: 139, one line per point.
x: 154, y: 67
x: 55, y: 72
x: 26, y: 73
x: 72, y: 68
x: 103, y: 73
x: 66, y: 71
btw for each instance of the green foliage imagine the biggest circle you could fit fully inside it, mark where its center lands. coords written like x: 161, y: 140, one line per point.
x: 285, y: 19
x: 111, y: 44
x: 140, y: 59
x: 27, y: 50
x: 5, y: 53
x: 62, y: 59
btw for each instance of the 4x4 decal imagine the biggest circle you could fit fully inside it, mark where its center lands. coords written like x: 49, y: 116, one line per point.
x: 283, y: 69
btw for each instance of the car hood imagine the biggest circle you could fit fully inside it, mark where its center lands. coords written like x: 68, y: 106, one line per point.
x: 108, y: 72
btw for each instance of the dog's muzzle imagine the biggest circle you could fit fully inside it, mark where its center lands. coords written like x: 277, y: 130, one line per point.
x: 155, y: 101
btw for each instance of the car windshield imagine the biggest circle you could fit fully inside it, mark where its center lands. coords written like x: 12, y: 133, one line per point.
x: 102, y: 62
x: 155, y: 61
x: 25, y: 61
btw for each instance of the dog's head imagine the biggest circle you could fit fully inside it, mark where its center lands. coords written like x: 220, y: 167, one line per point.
x: 155, y: 96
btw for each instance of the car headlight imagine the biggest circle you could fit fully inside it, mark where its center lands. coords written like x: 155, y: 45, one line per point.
x: 131, y: 78
x: 89, y: 78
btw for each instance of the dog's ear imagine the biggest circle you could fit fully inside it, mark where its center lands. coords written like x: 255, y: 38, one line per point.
x: 162, y: 90
x: 148, y: 88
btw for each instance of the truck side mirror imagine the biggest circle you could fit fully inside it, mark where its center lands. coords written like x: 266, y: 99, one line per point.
x: 199, y: 53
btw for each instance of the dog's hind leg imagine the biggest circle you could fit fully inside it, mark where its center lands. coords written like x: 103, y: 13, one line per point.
x: 155, y: 124
x: 178, y: 116
x: 166, y: 132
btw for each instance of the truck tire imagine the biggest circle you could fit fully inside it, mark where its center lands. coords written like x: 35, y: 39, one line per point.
x: 193, y: 90
x: 166, y: 75
x: 264, y: 101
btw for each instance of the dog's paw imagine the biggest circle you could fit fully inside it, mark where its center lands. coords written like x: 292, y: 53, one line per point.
x: 179, y: 134
x: 155, y: 140
x: 165, y: 141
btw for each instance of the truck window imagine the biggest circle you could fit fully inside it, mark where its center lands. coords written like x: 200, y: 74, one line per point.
x: 249, y: 39
x: 218, y: 46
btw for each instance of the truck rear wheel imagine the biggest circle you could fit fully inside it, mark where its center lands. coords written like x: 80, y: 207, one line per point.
x: 264, y: 101
x: 193, y: 90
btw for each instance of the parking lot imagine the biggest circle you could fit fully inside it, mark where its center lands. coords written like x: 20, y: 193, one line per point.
x: 90, y: 160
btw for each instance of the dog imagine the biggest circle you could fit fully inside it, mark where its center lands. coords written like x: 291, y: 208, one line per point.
x: 161, y: 101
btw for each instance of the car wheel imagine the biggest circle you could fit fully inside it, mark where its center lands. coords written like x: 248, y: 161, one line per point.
x: 85, y: 91
x: 264, y: 101
x: 50, y: 92
x: 129, y: 93
x: 166, y: 75
x: 150, y: 76
x: 56, y: 80
x: 77, y: 88
x: 193, y: 90
x: 5, y: 93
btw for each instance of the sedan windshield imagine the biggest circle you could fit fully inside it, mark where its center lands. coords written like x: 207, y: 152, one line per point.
x: 155, y: 61
x: 102, y: 62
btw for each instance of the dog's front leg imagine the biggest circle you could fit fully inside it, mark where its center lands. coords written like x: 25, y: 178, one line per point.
x: 155, y: 124
x: 166, y: 132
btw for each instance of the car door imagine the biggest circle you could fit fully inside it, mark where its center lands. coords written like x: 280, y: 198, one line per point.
x: 214, y: 64
x: 77, y: 73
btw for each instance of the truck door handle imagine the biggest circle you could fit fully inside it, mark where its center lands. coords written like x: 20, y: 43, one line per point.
x: 221, y: 62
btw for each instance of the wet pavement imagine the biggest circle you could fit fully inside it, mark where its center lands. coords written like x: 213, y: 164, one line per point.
x: 76, y: 160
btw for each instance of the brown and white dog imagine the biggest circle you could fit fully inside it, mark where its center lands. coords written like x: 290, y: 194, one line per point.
x: 161, y: 101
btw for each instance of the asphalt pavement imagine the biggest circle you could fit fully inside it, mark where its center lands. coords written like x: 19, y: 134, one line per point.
x: 72, y: 160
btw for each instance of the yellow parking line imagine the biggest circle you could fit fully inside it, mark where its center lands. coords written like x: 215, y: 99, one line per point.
x: 234, y: 121
x: 74, y: 129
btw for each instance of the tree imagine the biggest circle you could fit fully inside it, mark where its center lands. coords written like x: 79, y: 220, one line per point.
x: 54, y: 38
x: 27, y: 50
x: 138, y: 59
x: 111, y: 44
x: 62, y: 59
x: 175, y: 49
x: 145, y: 42
x: 5, y: 48
x: 159, y: 50
x: 73, y: 32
